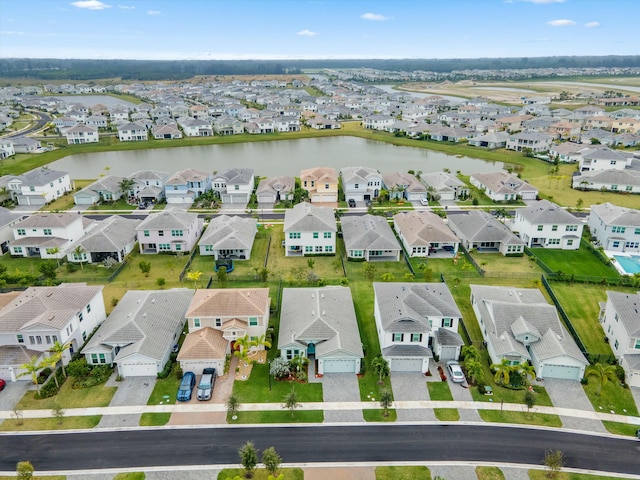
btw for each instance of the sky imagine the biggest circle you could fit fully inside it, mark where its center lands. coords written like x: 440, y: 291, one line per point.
x: 309, y: 29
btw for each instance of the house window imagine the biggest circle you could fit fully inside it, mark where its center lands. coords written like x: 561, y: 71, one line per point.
x: 326, y: 186
x: 315, y: 234
x: 616, y: 317
x: 89, y: 308
x: 614, y: 187
x: 47, y: 231
x: 327, y: 234
x: 308, y: 249
x: 80, y: 317
x: 616, y: 244
x: 236, y: 187
x: 356, y: 186
x: 416, y: 337
x: 446, y: 322
x: 356, y: 253
x: 196, y: 322
x: 554, y: 228
x: 39, y: 339
x: 208, y: 248
x: 637, y: 344
x: 218, y: 322
x: 20, y: 338
x: 318, y: 248
x: 615, y: 345
x: 17, y: 249
x: 32, y: 189
x: 637, y: 232
x: 253, y: 321
x: 571, y: 228
x: 178, y: 247
x: 398, y: 337
x: 292, y: 353
x: 161, y: 233
x: 164, y: 247
x: 294, y: 235
x: 540, y: 227
x: 84, y: 336
x: 328, y: 249
x: 554, y: 241
x: 569, y: 242
x: 176, y: 233
x: 21, y: 231
x: 617, y: 229
x: 146, y: 233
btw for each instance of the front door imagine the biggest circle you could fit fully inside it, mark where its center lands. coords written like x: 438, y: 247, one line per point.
x: 311, y: 349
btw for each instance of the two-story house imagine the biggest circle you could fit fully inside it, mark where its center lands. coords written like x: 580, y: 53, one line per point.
x: 80, y: 134
x: 533, y: 141
x: 361, y: 184
x: 503, y: 186
x: 132, y: 132
x: 148, y: 186
x: 404, y: 185
x: 321, y: 183
x: 169, y: 231
x: 234, y: 185
x: 409, y: 318
x: 309, y: 230
x: 216, y: 318
x: 186, y: 185
x: 47, y: 235
x: 603, y: 158
x: 614, y: 228
x: 31, y: 322
x: 39, y: 187
x: 620, y: 319
x: 546, y: 225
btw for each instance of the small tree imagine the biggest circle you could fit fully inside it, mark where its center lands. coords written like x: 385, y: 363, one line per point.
x: 78, y: 254
x: 58, y: 413
x: 263, y: 275
x: 161, y: 282
x: 145, y: 267
x: 24, y: 470
x: 386, y: 399
x: 271, y: 460
x: 311, y: 263
x: 503, y: 371
x: 381, y: 368
x: 474, y: 370
x: 388, y: 277
x: 32, y: 368
x: 604, y: 374
x: 56, y: 351
x: 280, y: 368
x: 194, y: 276
x: 232, y: 404
x: 221, y: 275
x: 370, y: 271
x: 469, y: 352
x: 248, y: 458
x: 48, y: 270
x: 554, y: 461
x: 291, y: 401
x: 529, y: 400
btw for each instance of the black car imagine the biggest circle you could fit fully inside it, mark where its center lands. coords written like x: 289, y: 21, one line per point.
x: 352, y: 203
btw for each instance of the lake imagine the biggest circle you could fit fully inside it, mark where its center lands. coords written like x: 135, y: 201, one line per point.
x: 284, y: 157
x: 91, y: 100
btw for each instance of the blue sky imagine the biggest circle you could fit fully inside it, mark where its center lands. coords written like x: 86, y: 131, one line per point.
x: 283, y: 29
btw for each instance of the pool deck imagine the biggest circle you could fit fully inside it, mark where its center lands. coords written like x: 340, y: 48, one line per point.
x: 618, y: 266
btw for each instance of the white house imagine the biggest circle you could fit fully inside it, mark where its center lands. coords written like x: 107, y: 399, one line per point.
x: 80, y: 134
x: 404, y: 185
x: 132, y: 132
x: 503, y: 186
x: 169, y: 231
x: 534, y: 141
x: 369, y: 237
x: 620, y: 319
x: 234, y: 185
x: 360, y: 183
x: 39, y: 186
x: 445, y: 185
x: 616, y: 229
x: 114, y: 237
x: 229, y: 237
x: 47, y: 235
x: 482, y: 231
x: 603, y: 158
x: 309, y: 230
x: 186, y: 185
x: 545, y: 224
x: 409, y: 317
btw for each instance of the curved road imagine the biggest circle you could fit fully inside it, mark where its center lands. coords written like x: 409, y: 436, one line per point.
x: 42, y: 120
x: 300, y: 444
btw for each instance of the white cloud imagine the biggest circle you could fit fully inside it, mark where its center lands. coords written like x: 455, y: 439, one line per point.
x: 561, y: 23
x: 154, y: 12
x: 126, y: 7
x: 376, y: 17
x: 307, y: 33
x: 543, y: 1
x: 11, y: 32
x: 592, y: 24
x: 91, y: 4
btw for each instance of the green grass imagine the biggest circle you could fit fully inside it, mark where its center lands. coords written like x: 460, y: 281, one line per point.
x: 256, y: 388
x: 489, y: 473
x: 130, y: 476
x: 120, y: 204
x: 67, y: 397
x: 523, y: 418
x: 578, y: 262
x: 66, y: 201
x: 439, y: 391
x: 403, y: 473
x: 498, y: 263
x: 613, y: 399
x: 260, y: 474
x: 447, y: 414
x: 377, y: 415
x: 278, y: 416
x: 37, y: 477
x: 68, y: 423
x: 542, y: 475
x: 154, y: 419
x: 621, y: 428
x: 164, y: 387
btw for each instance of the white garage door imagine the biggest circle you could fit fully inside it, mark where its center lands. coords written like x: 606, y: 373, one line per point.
x: 197, y: 366
x: 448, y: 353
x: 339, y: 366
x: 406, y: 364
x: 634, y: 379
x: 5, y: 374
x: 138, y: 370
x: 560, y: 371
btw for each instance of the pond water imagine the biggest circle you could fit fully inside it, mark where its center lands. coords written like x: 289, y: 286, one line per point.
x: 91, y: 100
x: 285, y: 157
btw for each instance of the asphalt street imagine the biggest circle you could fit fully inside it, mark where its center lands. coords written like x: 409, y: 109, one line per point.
x: 302, y: 444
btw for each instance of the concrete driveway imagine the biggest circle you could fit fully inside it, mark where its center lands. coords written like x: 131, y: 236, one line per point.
x: 461, y: 393
x: 131, y: 391
x: 411, y: 387
x: 570, y: 394
x: 12, y: 393
x: 635, y: 391
x: 341, y: 387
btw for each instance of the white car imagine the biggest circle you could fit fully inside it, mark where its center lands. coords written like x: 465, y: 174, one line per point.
x: 455, y: 372
x: 424, y: 201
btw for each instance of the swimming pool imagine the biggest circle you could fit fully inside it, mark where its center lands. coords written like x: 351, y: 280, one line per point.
x: 630, y: 264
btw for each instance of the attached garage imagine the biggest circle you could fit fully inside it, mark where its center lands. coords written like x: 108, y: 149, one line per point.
x: 405, y: 364
x: 338, y: 365
x: 634, y: 379
x: 31, y: 200
x: 324, y: 198
x: 137, y: 369
x: 235, y: 198
x: 196, y: 366
x: 567, y: 372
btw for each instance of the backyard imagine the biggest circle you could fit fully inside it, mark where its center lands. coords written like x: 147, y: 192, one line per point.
x: 575, y: 262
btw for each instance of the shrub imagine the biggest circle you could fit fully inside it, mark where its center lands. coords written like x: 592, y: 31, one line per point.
x: 166, y: 370
x: 280, y: 368
x: 482, y: 388
x: 78, y: 368
x: 620, y: 373
x: 72, y: 267
x: 179, y: 373
x: 48, y: 390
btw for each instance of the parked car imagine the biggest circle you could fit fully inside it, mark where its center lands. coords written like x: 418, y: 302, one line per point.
x: 448, y: 248
x: 2, y: 384
x: 424, y: 201
x: 207, y: 382
x: 186, y: 386
x: 455, y: 372
x: 352, y: 203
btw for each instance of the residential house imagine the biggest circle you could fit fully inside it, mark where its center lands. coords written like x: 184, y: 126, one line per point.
x: 32, y: 321
x: 616, y: 229
x: 6, y: 149
x: 39, y: 186
x: 603, y: 158
x: 627, y: 181
x: 320, y: 324
x: 47, y: 235
x: 114, y: 237
x: 309, y: 230
x: 369, y: 238
x: 234, y: 185
x: 323, y: 123
x: 519, y: 326
x: 620, y: 319
x: 546, y: 225
x: 96, y: 121
x: 186, y: 185
x: 26, y: 145
x: 414, y: 321
x: 378, y: 122
x: 445, y: 185
x: 139, y: 334
x: 490, y: 140
x: 503, y: 186
x: 404, y: 185
x: 229, y: 237
x: 425, y: 234
x: 169, y: 231
x: 216, y: 319
x: 195, y: 127
x: 132, y: 132
x: 228, y: 126
x: 165, y: 132
x: 106, y: 189
x: 275, y: 189
x: 533, y: 141
x: 361, y: 184
x: 7, y: 220
x: 321, y: 183
x: 566, y: 152
x: 481, y: 231
x: 148, y: 186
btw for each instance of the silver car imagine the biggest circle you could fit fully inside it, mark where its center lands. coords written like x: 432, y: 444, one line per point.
x: 455, y: 372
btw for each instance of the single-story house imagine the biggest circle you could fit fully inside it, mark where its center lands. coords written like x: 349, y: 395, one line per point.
x: 369, y: 237
x: 229, y: 237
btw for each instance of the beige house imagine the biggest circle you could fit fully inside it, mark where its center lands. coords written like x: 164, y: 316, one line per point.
x: 321, y: 183
x: 425, y: 234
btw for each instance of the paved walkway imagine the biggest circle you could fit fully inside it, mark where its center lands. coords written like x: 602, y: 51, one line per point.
x: 131, y: 391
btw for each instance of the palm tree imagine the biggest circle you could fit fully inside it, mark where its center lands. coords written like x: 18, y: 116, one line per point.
x: 78, y: 252
x: 51, y: 363
x: 503, y: 371
x: 386, y: 399
x: 261, y: 341
x: 469, y: 352
x: 242, y: 352
x: 527, y: 371
x: 604, y: 374
x: 55, y: 251
x: 125, y: 185
x: 57, y: 350
x: 32, y: 368
x: 195, y: 276
x: 381, y: 368
x: 474, y: 370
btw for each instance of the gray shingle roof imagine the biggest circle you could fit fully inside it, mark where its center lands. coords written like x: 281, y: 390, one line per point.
x: 477, y: 226
x: 230, y: 232
x: 627, y: 306
x: 615, y: 215
x: 305, y: 217
x: 110, y: 235
x: 368, y: 232
x: 167, y: 219
x: 546, y: 212
x: 240, y: 176
x: 48, y: 220
x: 40, y: 176
x: 420, y: 228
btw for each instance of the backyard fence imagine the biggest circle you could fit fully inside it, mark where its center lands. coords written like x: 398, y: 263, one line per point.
x: 188, y: 264
x: 471, y: 260
x: 565, y: 317
x: 115, y: 273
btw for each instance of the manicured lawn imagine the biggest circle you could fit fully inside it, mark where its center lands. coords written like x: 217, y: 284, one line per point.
x: 67, y: 397
x: 278, y: 416
x: 447, y: 414
x: 260, y: 474
x: 117, y: 205
x: 256, y: 388
x: 66, y: 201
x: 577, y: 262
x: 164, y: 391
x: 37, y: 477
x: 95, y: 272
x: 154, y: 419
x: 130, y: 476
x: 162, y: 266
x: 498, y: 263
x: 68, y: 423
x: 403, y: 473
x: 439, y: 391
x: 377, y: 415
x: 613, y: 398
x: 399, y: 270
x: 489, y: 473
x: 523, y: 418
x: 542, y: 475
x: 621, y: 428
x: 447, y: 266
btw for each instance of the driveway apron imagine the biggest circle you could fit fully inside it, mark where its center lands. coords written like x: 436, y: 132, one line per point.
x: 570, y: 394
x: 12, y: 394
x: 131, y: 391
x: 411, y: 387
x: 635, y: 391
x: 461, y: 393
x: 341, y: 387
